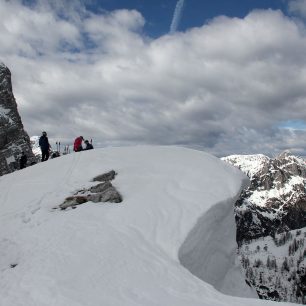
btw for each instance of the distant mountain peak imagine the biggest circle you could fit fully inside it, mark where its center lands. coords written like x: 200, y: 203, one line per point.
x: 249, y: 164
x: 284, y: 154
x: 273, y: 205
x: 276, y: 197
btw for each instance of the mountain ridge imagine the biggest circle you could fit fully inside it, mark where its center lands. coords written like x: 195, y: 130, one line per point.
x: 271, y: 225
x: 276, y: 193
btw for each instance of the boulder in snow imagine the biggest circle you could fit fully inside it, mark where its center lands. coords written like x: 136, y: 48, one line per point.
x: 103, y: 192
x: 109, y: 176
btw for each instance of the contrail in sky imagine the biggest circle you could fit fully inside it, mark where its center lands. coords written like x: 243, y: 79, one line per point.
x: 177, y: 15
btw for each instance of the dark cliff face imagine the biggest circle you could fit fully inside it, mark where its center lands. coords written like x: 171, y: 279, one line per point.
x: 275, y: 202
x: 13, y: 138
x: 273, y: 209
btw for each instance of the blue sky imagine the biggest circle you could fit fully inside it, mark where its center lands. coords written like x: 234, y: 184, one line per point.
x: 159, y: 13
x: 293, y: 124
x: 228, y: 79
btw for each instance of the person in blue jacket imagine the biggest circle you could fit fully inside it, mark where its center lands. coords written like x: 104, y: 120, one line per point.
x: 44, y: 146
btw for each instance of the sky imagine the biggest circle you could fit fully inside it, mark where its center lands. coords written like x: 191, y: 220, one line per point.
x: 226, y: 77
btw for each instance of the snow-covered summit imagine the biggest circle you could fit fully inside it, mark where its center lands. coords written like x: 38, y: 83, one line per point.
x: 249, y: 164
x: 274, y: 181
x: 276, y: 198
x: 119, y: 254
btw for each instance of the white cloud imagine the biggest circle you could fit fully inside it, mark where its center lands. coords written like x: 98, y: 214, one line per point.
x: 224, y: 87
x: 28, y: 32
x: 297, y: 7
x: 115, y: 32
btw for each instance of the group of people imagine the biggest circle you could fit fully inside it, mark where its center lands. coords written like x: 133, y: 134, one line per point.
x: 77, y: 146
x: 45, y: 148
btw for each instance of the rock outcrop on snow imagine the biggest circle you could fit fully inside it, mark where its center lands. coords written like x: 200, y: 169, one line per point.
x: 271, y: 225
x: 102, y: 192
x: 13, y: 138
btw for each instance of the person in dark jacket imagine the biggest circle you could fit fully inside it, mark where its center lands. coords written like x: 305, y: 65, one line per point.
x: 23, y: 160
x: 88, y: 145
x: 44, y: 146
x: 77, y: 146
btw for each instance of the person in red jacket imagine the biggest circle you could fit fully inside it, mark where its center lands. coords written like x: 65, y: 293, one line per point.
x: 77, y: 147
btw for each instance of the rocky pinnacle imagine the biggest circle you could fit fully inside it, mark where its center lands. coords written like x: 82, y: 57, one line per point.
x: 13, y: 138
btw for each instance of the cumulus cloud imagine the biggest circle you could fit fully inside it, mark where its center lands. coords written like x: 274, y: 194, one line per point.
x: 226, y: 87
x: 29, y: 32
x: 297, y: 7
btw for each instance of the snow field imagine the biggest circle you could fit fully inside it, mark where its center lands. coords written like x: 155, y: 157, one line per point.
x: 119, y: 254
x: 272, y: 273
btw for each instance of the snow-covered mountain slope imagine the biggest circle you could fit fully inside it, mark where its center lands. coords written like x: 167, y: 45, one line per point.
x: 118, y: 254
x: 271, y: 221
x: 276, y: 198
x: 276, y: 266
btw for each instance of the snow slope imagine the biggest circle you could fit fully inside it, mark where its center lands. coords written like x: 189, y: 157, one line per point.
x: 119, y: 254
x: 276, y: 266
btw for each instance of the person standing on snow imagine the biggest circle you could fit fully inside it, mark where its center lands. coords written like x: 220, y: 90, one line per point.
x: 44, y: 146
x: 88, y: 145
x: 23, y: 161
x: 77, y: 147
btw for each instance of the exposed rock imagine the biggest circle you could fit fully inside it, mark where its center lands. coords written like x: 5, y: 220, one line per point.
x: 73, y: 201
x: 13, y: 138
x: 14, y: 265
x: 108, y: 195
x: 100, y: 187
x: 266, y: 294
x: 109, y: 176
x: 301, y: 284
x: 103, y: 192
